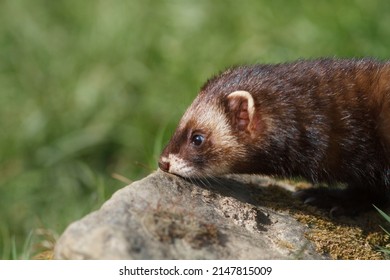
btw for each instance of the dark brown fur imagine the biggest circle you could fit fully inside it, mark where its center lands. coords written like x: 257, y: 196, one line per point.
x: 325, y: 120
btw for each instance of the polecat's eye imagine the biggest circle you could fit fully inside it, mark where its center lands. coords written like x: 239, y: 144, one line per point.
x: 197, y: 140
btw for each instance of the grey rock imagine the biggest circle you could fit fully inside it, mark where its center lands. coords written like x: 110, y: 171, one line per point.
x: 166, y: 217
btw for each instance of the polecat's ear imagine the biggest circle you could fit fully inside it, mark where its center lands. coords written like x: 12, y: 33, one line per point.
x: 242, y: 108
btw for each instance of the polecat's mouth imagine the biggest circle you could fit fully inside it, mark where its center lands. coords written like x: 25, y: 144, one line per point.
x: 172, y: 173
x: 187, y: 178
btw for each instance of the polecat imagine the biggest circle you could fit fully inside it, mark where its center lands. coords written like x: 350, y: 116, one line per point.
x: 327, y: 120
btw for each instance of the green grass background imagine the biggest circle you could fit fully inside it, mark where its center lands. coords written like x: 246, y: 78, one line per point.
x: 92, y: 88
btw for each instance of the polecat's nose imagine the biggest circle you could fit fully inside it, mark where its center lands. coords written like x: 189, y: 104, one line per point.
x: 164, y: 165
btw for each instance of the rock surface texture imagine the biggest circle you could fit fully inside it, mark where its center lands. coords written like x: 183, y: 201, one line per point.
x: 166, y: 217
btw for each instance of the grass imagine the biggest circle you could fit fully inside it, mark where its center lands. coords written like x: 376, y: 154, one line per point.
x: 94, y: 88
x: 386, y: 249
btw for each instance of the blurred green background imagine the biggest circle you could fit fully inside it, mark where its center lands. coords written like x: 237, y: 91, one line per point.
x: 90, y: 91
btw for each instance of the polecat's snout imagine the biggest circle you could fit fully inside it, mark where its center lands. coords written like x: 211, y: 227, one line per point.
x: 163, y: 165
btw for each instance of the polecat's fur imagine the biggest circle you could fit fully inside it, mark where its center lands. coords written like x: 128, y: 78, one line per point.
x: 326, y: 120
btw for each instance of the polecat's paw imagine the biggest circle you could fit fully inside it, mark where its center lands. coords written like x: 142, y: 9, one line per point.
x: 339, y: 202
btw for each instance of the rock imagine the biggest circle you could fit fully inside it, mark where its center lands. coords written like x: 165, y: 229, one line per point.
x: 167, y: 217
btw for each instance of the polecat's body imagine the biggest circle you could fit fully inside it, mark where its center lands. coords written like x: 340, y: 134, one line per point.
x: 325, y: 120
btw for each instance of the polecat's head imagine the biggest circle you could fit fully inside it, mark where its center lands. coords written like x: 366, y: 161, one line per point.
x: 210, y: 138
